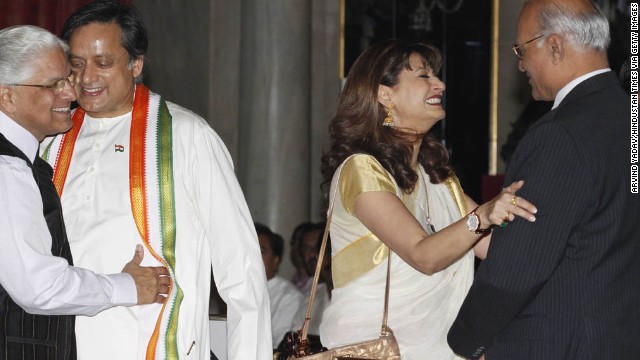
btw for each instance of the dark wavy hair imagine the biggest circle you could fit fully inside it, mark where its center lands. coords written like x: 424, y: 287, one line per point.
x: 134, y: 34
x: 357, y: 125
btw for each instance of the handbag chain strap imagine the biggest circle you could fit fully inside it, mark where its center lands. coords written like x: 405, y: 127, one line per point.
x: 385, y: 330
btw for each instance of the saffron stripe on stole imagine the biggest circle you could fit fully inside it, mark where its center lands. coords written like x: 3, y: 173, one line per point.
x: 145, y: 188
x: 136, y: 163
x: 137, y: 187
x: 139, y: 191
x: 65, y: 152
x: 141, y: 182
x: 160, y: 219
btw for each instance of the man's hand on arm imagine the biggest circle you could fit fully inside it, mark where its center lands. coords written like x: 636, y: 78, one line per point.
x: 152, y: 283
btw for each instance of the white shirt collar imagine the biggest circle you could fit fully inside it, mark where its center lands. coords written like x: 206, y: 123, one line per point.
x: 109, y: 119
x: 19, y: 136
x: 567, y: 88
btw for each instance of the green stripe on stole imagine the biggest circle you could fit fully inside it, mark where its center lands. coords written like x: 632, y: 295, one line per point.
x: 168, y: 219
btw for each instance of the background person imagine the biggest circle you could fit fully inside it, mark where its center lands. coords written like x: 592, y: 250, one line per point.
x: 301, y: 277
x: 284, y: 297
x: 309, y: 251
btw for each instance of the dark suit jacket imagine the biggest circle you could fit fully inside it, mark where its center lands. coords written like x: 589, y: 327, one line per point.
x: 568, y: 285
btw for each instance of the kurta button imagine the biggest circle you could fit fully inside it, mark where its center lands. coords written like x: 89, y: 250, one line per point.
x: 92, y: 169
x: 87, y: 197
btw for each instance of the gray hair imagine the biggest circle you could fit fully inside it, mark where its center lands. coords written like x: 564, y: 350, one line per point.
x: 20, y: 46
x: 583, y: 27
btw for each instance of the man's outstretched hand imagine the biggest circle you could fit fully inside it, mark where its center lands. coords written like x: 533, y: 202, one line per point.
x: 152, y: 283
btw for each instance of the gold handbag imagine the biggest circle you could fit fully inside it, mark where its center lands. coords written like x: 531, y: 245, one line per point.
x: 385, y: 347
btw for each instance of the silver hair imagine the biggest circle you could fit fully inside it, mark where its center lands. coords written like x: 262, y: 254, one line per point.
x: 586, y: 28
x: 20, y: 46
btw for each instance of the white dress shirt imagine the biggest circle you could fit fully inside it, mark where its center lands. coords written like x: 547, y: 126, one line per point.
x: 285, y: 299
x: 572, y: 84
x: 35, y: 279
x: 213, y: 230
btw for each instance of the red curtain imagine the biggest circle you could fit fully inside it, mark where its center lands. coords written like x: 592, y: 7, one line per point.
x: 49, y: 14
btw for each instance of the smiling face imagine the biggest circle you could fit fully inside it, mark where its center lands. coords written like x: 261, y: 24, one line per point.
x: 106, y: 77
x: 40, y: 110
x: 416, y: 98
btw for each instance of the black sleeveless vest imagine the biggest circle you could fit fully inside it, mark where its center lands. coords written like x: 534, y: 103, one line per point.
x: 35, y: 337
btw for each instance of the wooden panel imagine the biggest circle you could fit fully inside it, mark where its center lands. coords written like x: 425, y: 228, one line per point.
x: 47, y: 14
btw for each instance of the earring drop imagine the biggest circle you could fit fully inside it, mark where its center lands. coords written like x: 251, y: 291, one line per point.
x: 388, y: 121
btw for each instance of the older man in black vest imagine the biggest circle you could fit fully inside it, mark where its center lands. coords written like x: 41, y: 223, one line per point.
x: 40, y: 290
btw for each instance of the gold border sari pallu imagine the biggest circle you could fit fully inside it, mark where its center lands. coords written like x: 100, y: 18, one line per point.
x: 385, y: 347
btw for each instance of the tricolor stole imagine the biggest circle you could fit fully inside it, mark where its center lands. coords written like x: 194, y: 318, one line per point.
x: 152, y: 199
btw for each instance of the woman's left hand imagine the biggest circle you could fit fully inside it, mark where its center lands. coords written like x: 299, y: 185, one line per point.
x: 504, y: 208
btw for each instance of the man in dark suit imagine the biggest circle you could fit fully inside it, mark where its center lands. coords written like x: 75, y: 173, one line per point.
x: 568, y: 285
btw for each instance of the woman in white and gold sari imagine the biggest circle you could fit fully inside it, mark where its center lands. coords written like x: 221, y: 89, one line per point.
x: 394, y: 189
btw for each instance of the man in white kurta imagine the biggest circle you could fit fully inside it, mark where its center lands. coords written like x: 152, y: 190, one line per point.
x: 213, y: 227
x: 100, y: 200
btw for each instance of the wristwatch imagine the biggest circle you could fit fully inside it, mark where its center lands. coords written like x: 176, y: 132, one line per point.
x: 473, y: 223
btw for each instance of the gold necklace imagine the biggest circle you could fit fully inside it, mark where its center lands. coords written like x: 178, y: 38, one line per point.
x: 430, y: 228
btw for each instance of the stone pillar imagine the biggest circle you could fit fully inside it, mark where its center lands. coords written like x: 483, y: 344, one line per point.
x: 274, y: 129
x: 325, y: 89
x: 224, y: 74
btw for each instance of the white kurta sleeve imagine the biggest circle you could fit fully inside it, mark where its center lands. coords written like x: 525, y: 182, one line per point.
x: 35, y: 279
x: 236, y: 261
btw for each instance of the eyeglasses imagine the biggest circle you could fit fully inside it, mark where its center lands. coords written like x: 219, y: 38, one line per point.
x: 57, y: 87
x: 518, y: 48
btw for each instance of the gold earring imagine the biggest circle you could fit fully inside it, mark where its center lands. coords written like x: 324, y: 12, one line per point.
x: 388, y: 121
